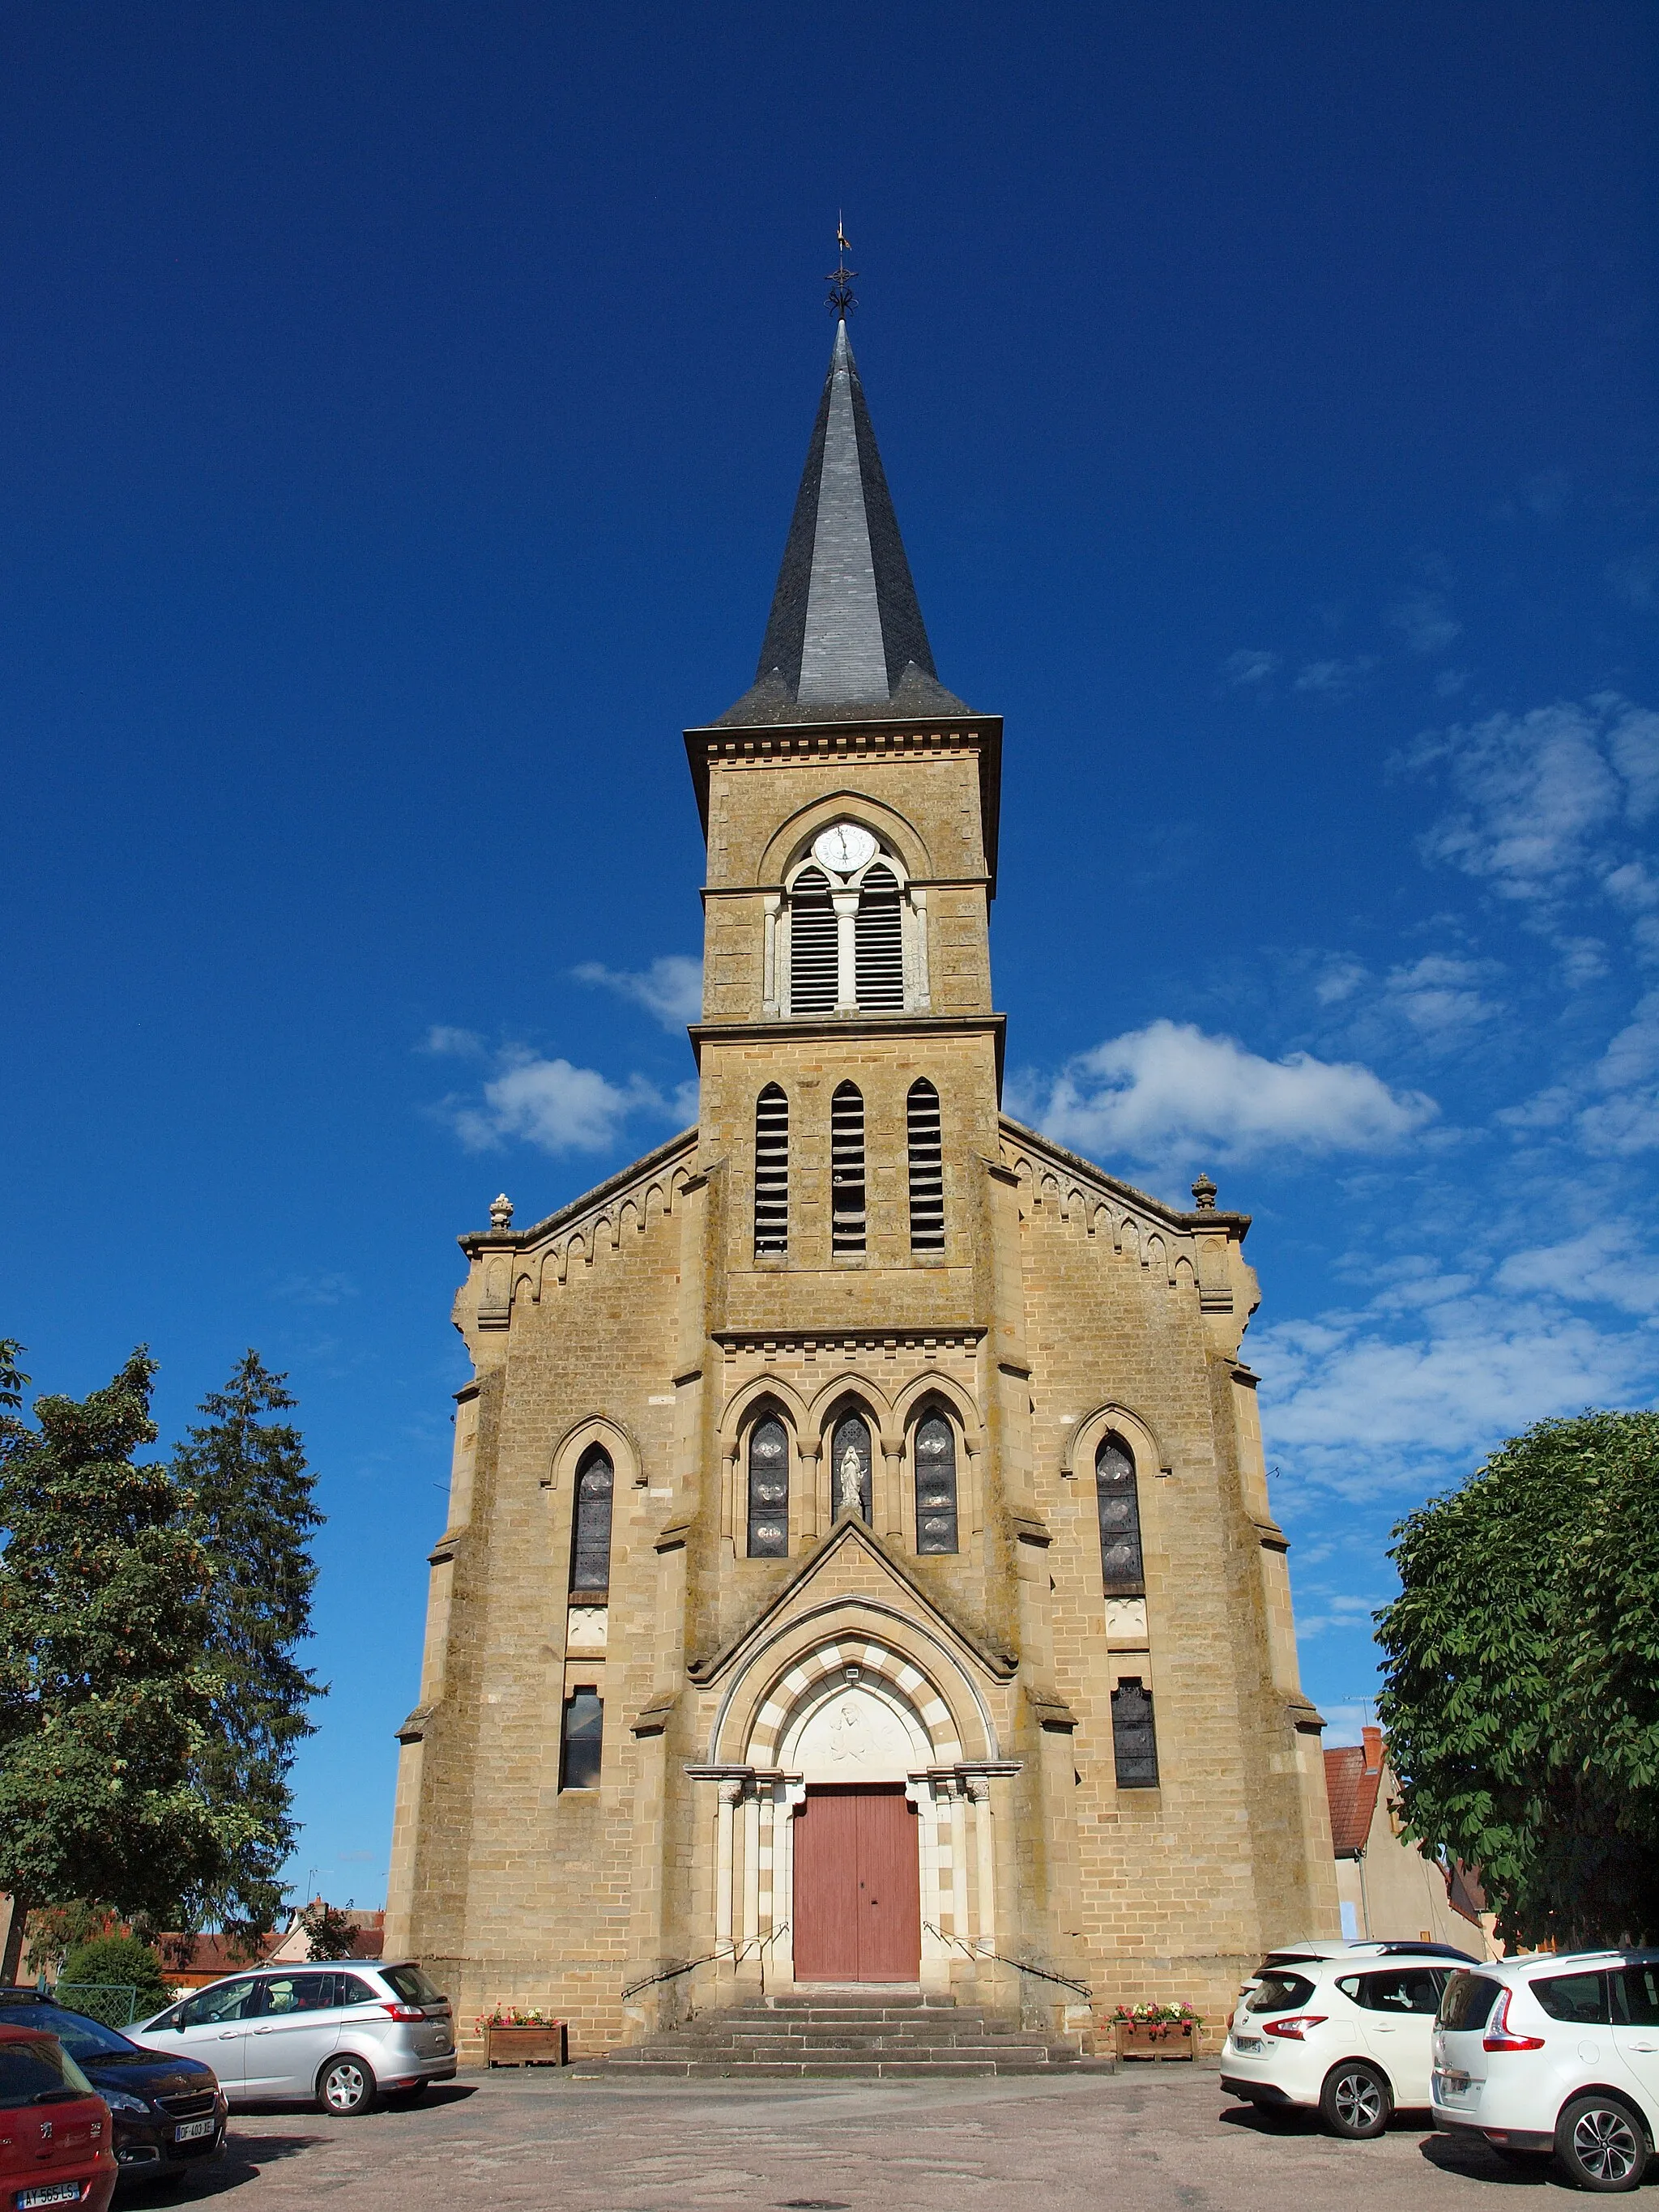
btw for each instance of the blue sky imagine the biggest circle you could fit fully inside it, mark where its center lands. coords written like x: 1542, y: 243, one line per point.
x: 403, y: 411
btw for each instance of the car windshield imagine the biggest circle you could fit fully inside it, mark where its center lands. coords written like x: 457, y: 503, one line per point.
x: 411, y: 1986
x: 81, y: 2037
x: 40, y: 2073
x: 1279, y: 1993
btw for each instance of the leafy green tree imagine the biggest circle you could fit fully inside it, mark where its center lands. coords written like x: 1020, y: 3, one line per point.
x: 254, y: 1511
x: 55, y: 1931
x: 1521, y: 1679
x: 329, y: 1932
x: 114, y: 1963
x: 104, y: 1700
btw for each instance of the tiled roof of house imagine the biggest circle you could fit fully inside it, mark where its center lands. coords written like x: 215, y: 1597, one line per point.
x: 1353, y: 1775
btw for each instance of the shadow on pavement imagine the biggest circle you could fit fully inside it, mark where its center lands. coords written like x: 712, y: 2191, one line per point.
x: 1478, y: 2162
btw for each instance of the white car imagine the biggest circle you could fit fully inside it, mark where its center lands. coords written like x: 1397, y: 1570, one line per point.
x: 1555, y: 2053
x: 346, y: 2036
x: 1350, y: 2036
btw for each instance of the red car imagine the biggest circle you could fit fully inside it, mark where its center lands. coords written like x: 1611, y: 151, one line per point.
x: 55, y: 2138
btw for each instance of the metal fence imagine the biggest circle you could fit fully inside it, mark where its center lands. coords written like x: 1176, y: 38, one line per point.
x: 115, y: 2003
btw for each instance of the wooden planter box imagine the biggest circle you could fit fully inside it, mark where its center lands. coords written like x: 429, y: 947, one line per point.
x: 526, y: 2046
x: 1173, y: 2039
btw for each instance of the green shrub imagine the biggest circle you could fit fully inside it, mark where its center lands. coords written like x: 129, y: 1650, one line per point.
x: 114, y: 1962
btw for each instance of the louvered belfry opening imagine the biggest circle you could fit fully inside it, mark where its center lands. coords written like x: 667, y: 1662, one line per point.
x: 879, y: 943
x: 926, y: 1169
x: 771, y: 1174
x: 769, y: 1489
x: 813, y: 967
x: 847, y: 1200
x: 590, y: 1540
x: 1118, y: 1504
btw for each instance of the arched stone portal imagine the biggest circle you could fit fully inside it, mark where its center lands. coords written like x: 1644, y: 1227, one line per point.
x: 829, y: 1744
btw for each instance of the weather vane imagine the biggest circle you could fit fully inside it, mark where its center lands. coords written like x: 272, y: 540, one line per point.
x: 842, y: 298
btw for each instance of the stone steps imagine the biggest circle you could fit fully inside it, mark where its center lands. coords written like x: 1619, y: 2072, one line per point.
x: 843, y: 2035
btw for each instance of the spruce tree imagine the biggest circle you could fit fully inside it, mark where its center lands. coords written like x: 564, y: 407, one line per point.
x: 104, y: 1703
x: 251, y: 1501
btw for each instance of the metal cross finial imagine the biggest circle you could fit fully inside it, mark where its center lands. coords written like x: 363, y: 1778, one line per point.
x: 842, y: 298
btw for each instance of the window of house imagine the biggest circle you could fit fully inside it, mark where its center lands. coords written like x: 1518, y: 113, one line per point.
x: 771, y: 1174
x: 1135, y: 1743
x: 878, y: 942
x: 769, y: 1489
x: 813, y: 950
x: 581, y: 1739
x: 847, y: 1197
x: 849, y: 1463
x: 590, y: 1543
x: 1118, y: 1508
x: 926, y: 1169
x: 936, y: 1484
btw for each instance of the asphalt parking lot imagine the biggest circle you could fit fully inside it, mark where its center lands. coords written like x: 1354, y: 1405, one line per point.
x: 1152, y: 2136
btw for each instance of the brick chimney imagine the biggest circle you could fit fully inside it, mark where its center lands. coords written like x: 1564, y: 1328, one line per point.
x: 1373, y: 1741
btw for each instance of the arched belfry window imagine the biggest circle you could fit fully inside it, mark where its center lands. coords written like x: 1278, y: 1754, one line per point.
x: 846, y: 1194
x: 771, y: 1174
x: 814, y: 959
x: 935, y: 1454
x: 926, y: 1169
x: 769, y: 1489
x: 1119, y: 1507
x: 878, y: 938
x: 850, y: 1465
x: 590, y: 1540
x: 847, y: 933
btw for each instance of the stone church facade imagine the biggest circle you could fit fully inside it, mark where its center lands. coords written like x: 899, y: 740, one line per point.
x: 859, y: 1566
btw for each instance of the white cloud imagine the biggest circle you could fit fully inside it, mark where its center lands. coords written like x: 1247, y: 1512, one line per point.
x: 458, y: 1044
x: 1339, y: 980
x: 1545, y: 798
x: 1353, y: 1403
x: 1440, y: 997
x: 1605, y: 1262
x: 557, y: 1106
x: 669, y: 989
x: 1245, y: 668
x: 1334, y: 679
x: 1635, y: 576
x: 1169, y: 1092
x: 1425, y: 622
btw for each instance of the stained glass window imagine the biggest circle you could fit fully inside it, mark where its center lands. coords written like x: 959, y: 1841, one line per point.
x: 590, y: 1547
x: 769, y: 1490
x: 582, y: 1740
x: 936, y: 1484
x: 1134, y: 1744
x: 1122, y: 1572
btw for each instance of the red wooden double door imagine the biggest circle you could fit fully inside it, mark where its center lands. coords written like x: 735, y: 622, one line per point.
x: 857, y: 1886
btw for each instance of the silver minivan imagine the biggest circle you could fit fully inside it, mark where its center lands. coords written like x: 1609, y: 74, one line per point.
x: 346, y: 2035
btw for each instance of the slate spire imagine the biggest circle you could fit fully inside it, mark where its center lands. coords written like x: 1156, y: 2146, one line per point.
x: 845, y: 638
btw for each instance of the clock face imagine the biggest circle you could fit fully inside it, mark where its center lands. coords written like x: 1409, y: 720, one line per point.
x: 845, y: 848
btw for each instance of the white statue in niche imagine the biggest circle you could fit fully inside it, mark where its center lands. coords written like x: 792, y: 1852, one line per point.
x: 851, y: 1498
x: 855, y: 1737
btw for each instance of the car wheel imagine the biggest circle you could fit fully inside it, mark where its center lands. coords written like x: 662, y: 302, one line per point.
x: 1600, y: 2143
x: 346, y: 2086
x: 1355, y: 2100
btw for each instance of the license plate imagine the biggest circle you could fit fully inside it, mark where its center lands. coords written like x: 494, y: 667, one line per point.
x: 58, y: 2192
x: 192, y: 2130
x: 1248, y: 2042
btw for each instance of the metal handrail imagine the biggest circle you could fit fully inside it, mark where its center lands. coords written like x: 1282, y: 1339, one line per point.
x: 735, y: 1953
x: 974, y: 1947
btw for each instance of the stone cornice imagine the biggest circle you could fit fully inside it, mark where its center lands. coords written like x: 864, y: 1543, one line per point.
x: 591, y: 1201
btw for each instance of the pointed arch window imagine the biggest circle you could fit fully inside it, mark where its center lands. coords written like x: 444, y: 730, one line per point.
x: 847, y: 1191
x: 926, y: 1169
x: 581, y: 1739
x: 769, y: 1489
x: 878, y: 942
x: 1118, y: 1504
x: 771, y: 1174
x: 814, y: 955
x: 935, y: 1456
x: 590, y: 1541
x: 851, y: 1488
